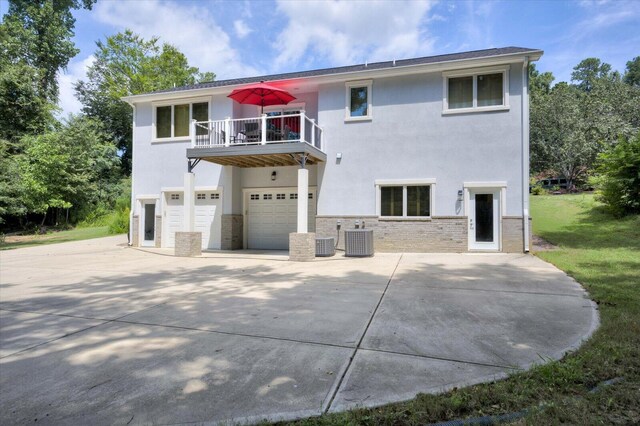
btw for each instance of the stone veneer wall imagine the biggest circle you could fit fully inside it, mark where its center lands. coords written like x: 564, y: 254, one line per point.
x: 513, y: 234
x: 438, y: 234
x: 158, y: 231
x: 135, y: 241
x: 232, y: 232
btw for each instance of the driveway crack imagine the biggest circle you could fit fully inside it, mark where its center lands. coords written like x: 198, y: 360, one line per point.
x: 364, y: 333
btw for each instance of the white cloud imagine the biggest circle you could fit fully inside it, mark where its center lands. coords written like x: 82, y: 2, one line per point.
x: 193, y: 30
x: 242, y: 29
x: 77, y: 70
x: 344, y: 33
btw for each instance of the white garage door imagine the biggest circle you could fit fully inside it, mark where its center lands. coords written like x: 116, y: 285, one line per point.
x: 272, y: 215
x: 207, y: 211
x: 207, y: 219
x: 173, y: 216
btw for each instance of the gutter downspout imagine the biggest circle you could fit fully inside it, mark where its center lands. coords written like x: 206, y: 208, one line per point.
x: 525, y: 152
x: 132, y: 208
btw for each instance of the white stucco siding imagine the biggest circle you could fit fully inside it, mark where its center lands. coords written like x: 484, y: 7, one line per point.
x: 159, y: 165
x: 409, y: 138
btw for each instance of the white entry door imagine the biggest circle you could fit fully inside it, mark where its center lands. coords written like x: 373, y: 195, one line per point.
x: 484, y: 219
x: 173, y: 217
x: 272, y: 215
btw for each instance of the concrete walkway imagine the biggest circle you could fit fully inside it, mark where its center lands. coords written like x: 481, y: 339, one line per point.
x: 93, y: 332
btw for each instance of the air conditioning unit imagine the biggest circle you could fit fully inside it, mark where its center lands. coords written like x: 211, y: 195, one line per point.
x: 358, y: 242
x: 325, y: 247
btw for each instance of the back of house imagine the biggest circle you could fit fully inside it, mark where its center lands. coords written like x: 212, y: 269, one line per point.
x: 431, y: 153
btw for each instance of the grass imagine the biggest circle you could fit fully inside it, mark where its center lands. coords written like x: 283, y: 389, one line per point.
x: 602, y: 253
x: 54, y: 237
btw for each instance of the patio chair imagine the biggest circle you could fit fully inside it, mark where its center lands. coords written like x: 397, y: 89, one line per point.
x: 251, y: 131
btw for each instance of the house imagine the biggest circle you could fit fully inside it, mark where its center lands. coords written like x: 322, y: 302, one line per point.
x: 430, y: 153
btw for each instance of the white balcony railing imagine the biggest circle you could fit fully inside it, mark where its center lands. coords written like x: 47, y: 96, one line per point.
x: 277, y: 129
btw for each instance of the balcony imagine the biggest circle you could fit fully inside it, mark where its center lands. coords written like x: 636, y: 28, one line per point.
x: 265, y: 141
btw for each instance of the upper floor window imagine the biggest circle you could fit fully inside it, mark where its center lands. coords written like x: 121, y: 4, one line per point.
x: 172, y: 121
x: 358, y: 100
x: 476, y: 90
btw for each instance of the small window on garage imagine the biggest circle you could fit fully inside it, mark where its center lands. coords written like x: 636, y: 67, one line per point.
x: 201, y: 196
x: 255, y: 196
x: 175, y: 196
x: 293, y: 196
x: 267, y: 196
x: 310, y: 196
x: 215, y: 196
x: 281, y: 196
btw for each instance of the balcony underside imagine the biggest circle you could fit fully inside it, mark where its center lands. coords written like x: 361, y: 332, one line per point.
x: 271, y: 155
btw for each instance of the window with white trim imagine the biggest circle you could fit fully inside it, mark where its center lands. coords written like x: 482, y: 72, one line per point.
x: 173, y: 121
x: 405, y: 201
x: 476, y: 90
x: 358, y: 100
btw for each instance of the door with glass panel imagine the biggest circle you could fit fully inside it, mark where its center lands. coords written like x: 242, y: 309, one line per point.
x: 283, y: 124
x: 484, y: 219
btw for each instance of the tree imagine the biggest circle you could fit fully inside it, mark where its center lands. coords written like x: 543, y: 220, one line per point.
x: 632, y: 75
x: 126, y: 64
x: 38, y: 34
x: 619, y: 180
x: 539, y: 89
x: 10, y: 184
x: 72, y: 167
x: 588, y: 71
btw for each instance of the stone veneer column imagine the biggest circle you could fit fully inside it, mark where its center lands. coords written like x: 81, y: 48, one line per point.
x: 232, y: 227
x: 188, y: 244
x: 135, y: 231
x: 158, y: 226
x: 302, y: 247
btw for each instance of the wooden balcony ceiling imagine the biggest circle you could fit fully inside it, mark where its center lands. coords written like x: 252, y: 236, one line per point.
x: 270, y: 155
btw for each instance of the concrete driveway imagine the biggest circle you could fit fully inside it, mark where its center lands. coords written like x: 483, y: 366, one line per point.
x: 94, y: 332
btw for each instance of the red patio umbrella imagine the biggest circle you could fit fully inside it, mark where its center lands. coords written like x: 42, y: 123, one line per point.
x: 261, y: 94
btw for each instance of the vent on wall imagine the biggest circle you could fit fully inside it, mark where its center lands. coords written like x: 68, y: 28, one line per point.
x: 325, y: 247
x: 358, y: 242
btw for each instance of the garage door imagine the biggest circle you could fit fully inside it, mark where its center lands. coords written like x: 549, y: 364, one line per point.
x: 207, y: 218
x: 174, y: 212
x: 272, y: 215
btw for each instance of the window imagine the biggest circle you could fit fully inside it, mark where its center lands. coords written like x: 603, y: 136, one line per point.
x: 358, y: 100
x: 215, y: 196
x: 293, y: 196
x: 267, y: 196
x: 201, y: 196
x: 255, y: 196
x: 175, y: 196
x: 405, y: 198
x: 476, y: 90
x: 280, y: 196
x: 173, y: 121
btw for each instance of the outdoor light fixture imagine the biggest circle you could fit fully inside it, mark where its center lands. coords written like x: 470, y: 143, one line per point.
x: 273, y: 175
x: 460, y: 195
x: 338, y: 155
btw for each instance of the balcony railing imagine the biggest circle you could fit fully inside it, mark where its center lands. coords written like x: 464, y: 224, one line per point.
x: 276, y: 129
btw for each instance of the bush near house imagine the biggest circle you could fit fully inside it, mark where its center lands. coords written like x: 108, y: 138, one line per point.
x: 619, y: 177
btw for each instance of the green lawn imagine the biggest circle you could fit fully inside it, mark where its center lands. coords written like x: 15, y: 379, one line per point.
x: 76, y: 234
x: 603, y: 254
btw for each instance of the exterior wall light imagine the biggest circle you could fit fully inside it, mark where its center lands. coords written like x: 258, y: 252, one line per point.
x: 339, y: 156
x: 273, y: 175
x: 459, y: 194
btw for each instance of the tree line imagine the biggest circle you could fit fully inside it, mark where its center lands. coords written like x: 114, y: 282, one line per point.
x: 67, y: 170
x: 577, y: 128
x: 54, y: 170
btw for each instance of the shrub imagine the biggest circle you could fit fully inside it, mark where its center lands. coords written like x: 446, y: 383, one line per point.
x: 619, y: 177
x: 120, y: 222
x: 538, y: 190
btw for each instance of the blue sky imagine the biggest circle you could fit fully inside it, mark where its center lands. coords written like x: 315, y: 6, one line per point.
x: 240, y: 38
